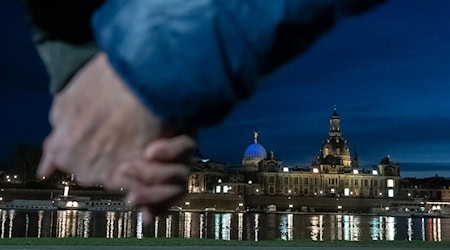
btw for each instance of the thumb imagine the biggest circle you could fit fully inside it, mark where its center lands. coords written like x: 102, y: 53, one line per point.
x: 47, y: 164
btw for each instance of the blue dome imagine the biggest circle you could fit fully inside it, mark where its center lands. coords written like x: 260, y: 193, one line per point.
x: 255, y: 151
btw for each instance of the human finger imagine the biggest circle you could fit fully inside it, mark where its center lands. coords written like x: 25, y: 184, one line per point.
x: 155, y: 196
x: 47, y: 165
x: 175, y: 149
x: 151, y: 173
x: 147, y: 215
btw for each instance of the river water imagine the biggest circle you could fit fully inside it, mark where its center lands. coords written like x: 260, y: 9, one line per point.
x: 225, y: 226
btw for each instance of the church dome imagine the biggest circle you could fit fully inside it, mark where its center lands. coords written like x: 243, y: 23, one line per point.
x: 254, y: 153
x: 335, y: 146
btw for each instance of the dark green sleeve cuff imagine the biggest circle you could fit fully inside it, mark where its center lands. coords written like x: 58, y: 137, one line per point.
x: 63, y: 60
x: 63, y: 36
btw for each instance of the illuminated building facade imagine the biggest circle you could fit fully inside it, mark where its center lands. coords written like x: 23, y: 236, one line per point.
x: 334, y: 172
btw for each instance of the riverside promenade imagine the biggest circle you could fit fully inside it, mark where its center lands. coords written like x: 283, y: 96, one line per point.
x: 198, y: 248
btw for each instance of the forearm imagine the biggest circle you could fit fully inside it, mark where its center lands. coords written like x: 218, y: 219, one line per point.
x: 190, y: 61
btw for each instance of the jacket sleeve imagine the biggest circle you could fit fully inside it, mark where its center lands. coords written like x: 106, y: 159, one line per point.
x: 191, y: 61
x: 62, y: 35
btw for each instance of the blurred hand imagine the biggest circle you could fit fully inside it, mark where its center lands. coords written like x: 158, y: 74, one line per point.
x: 97, y: 124
x: 159, y: 179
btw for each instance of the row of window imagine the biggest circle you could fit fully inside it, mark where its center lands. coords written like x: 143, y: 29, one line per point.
x: 330, y: 181
x: 316, y: 191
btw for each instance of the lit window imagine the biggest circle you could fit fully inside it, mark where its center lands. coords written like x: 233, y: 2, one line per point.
x: 391, y: 193
x: 218, y: 189
x: 390, y: 183
x: 225, y: 189
x: 346, y: 191
x: 315, y: 170
x: 374, y: 172
x: 285, y: 169
x: 355, y: 171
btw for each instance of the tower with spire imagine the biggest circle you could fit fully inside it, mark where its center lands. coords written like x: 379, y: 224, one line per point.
x: 335, y: 154
x: 335, y: 124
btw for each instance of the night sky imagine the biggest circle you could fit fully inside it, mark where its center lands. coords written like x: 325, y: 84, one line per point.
x: 388, y: 73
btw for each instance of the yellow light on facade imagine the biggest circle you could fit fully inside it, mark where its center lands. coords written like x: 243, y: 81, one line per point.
x: 346, y: 191
x: 66, y: 191
x: 390, y: 183
x: 391, y: 193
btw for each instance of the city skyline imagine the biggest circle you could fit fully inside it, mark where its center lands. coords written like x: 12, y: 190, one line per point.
x: 387, y: 72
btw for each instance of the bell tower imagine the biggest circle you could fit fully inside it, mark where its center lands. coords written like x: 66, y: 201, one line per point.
x: 335, y: 124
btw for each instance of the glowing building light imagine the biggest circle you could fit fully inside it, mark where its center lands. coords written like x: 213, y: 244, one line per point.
x: 347, y: 191
x: 375, y: 172
x: 391, y: 193
x: 285, y: 169
x: 390, y: 183
x: 355, y: 171
x: 315, y: 170
x: 66, y: 191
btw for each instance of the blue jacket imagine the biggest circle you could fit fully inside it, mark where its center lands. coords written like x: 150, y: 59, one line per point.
x: 190, y: 61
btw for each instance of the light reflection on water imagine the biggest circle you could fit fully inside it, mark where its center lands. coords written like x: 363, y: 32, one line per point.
x: 223, y: 226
